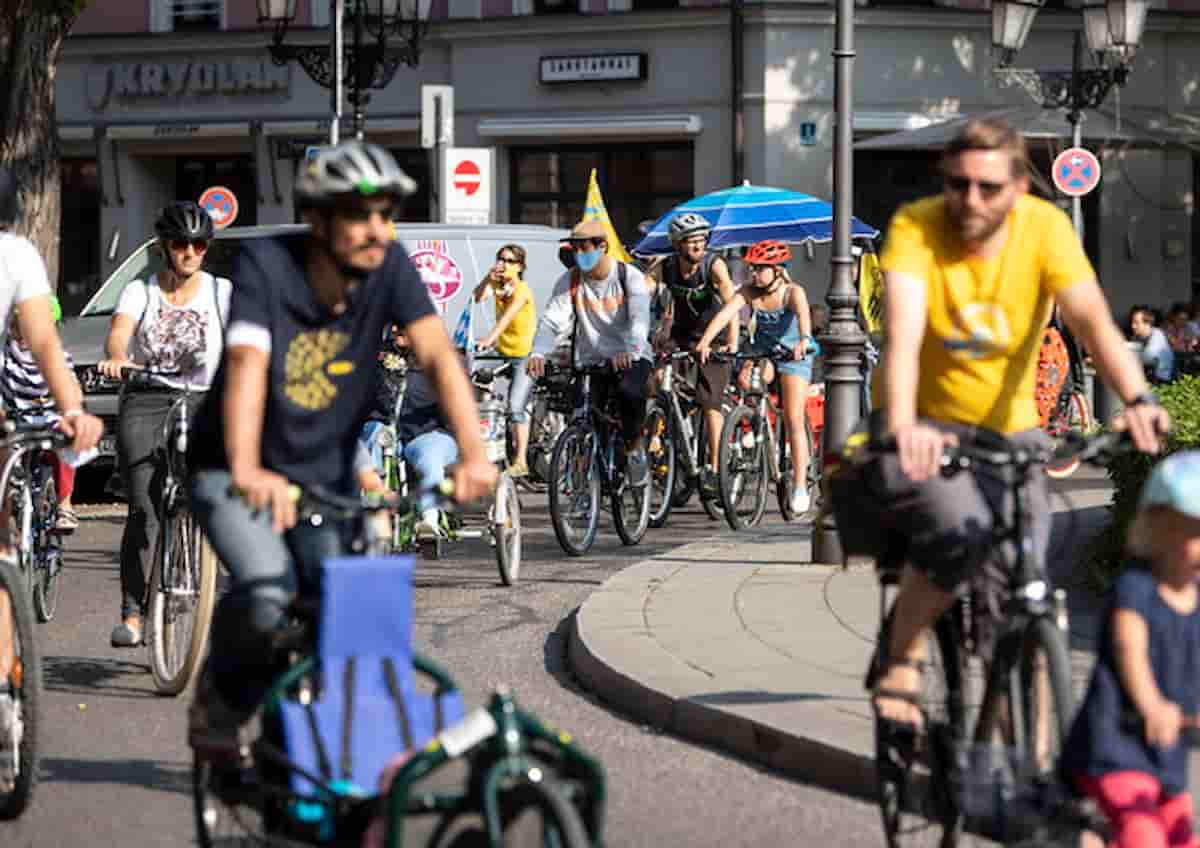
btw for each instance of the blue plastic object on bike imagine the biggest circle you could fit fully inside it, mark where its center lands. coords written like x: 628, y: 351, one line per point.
x: 319, y: 816
x: 365, y: 638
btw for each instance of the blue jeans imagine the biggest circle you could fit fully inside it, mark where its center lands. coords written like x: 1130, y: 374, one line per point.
x: 269, y: 569
x: 372, y: 439
x: 519, y: 387
x: 428, y: 455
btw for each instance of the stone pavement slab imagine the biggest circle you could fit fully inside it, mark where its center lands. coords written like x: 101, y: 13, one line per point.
x: 739, y: 641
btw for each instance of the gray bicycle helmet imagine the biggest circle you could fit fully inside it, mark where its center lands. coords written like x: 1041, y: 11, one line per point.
x: 352, y: 168
x: 10, y: 203
x: 183, y: 219
x: 688, y: 224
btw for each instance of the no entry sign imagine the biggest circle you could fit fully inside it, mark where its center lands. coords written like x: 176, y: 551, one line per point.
x: 1076, y: 171
x: 469, y: 185
x: 221, y: 204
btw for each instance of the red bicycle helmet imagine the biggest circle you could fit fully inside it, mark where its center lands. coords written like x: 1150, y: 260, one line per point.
x: 768, y: 253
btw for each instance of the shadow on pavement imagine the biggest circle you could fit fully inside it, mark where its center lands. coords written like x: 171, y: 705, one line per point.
x: 93, y: 675
x: 148, y: 773
x: 759, y: 697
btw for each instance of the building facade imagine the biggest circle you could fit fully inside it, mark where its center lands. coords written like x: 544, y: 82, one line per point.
x: 159, y: 99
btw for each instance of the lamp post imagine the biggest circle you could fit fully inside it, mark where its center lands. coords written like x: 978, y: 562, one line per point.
x: 368, y: 62
x: 844, y: 340
x: 1113, y: 29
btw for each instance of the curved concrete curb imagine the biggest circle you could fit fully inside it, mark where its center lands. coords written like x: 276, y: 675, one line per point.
x: 614, y: 653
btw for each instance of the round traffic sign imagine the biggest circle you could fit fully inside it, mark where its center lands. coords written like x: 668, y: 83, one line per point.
x: 1076, y: 171
x: 466, y: 177
x: 221, y: 204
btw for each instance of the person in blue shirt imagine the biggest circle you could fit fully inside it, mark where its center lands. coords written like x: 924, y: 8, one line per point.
x: 1124, y: 749
x: 1157, y: 356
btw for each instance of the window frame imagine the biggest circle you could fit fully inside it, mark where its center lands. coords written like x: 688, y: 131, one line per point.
x: 162, y: 16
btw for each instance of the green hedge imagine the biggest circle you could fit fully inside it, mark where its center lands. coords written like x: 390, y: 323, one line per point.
x: 1129, y: 471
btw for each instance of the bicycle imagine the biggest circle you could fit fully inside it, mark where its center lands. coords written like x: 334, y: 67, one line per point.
x: 291, y: 785
x: 998, y: 773
x: 1071, y: 414
x: 583, y: 469
x: 28, y: 481
x: 755, y: 452
x: 181, y: 589
x: 681, y: 429
x: 19, y: 754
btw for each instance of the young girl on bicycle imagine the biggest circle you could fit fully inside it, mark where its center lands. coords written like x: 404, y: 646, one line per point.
x: 781, y: 319
x: 1125, y: 749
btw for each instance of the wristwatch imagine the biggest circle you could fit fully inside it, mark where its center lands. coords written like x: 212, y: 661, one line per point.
x: 1146, y: 398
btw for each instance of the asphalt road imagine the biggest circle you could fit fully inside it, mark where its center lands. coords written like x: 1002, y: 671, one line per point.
x: 115, y: 769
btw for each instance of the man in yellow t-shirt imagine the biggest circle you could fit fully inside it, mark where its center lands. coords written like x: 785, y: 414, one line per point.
x: 970, y: 280
x: 512, y: 337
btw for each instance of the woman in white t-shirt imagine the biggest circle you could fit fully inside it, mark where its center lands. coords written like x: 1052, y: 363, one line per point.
x: 174, y: 322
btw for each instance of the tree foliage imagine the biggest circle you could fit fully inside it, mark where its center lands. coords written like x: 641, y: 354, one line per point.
x: 31, y: 39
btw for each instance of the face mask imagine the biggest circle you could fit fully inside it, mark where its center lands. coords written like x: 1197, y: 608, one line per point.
x: 588, y: 259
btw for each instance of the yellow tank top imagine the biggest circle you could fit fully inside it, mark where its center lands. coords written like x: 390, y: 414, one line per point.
x: 517, y: 338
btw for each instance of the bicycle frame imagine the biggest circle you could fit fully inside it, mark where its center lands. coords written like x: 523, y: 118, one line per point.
x: 602, y: 428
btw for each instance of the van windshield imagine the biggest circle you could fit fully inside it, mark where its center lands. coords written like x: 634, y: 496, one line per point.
x: 147, y: 260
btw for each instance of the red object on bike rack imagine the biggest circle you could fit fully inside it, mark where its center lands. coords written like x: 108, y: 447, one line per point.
x: 814, y: 408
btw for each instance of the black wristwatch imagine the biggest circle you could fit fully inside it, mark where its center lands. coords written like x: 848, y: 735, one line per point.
x: 1146, y: 398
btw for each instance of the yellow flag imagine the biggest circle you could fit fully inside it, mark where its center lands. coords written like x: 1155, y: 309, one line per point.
x: 594, y: 209
x: 870, y: 292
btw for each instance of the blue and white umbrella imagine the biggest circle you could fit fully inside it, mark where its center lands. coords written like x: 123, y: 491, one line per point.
x: 748, y: 213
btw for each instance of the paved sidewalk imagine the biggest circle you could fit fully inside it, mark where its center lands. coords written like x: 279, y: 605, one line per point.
x: 741, y: 643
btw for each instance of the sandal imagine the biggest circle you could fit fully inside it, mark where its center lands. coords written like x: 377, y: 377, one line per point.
x: 68, y: 520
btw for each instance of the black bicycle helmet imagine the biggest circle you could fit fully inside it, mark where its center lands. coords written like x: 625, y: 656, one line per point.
x: 10, y: 203
x: 183, y: 219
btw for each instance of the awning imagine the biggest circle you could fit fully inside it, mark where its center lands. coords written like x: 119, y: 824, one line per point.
x: 320, y: 126
x: 591, y: 126
x: 895, y: 121
x: 176, y: 130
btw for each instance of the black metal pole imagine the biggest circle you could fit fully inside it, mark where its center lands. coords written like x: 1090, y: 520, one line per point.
x: 359, y: 62
x: 737, y: 53
x: 843, y: 342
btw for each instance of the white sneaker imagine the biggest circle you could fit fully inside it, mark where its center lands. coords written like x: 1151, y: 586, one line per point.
x: 430, y: 525
x: 800, y: 501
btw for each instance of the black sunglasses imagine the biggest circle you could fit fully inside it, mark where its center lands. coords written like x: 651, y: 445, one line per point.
x: 198, y: 245
x: 961, y: 185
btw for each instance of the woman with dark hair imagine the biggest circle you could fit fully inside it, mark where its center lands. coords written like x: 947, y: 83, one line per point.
x: 173, y: 321
x: 512, y: 337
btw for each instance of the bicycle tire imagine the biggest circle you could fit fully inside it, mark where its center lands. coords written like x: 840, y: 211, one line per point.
x: 193, y: 559
x: 738, y: 462
x: 916, y: 800
x: 713, y: 506
x: 661, y: 454
x: 570, y: 443
x: 1076, y: 417
x: 47, y: 557
x: 630, y: 508
x: 562, y: 824
x: 506, y: 530
x: 27, y: 690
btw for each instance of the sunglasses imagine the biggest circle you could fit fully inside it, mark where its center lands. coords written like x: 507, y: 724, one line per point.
x: 198, y: 245
x: 584, y: 244
x: 508, y: 260
x: 961, y: 185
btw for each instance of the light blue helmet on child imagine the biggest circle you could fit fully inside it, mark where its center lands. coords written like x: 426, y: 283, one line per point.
x: 1175, y: 483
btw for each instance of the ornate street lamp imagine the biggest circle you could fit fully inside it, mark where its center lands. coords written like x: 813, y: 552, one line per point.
x: 395, y: 29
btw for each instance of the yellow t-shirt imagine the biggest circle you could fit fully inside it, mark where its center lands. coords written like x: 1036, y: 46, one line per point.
x: 985, y: 317
x: 517, y: 338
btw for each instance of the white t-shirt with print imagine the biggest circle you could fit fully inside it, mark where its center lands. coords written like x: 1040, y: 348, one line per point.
x: 22, y: 276
x: 186, y: 337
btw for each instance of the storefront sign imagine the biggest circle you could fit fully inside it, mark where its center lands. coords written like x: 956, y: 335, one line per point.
x: 184, y: 79
x: 605, y: 66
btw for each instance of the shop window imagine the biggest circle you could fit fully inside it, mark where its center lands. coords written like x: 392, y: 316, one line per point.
x: 194, y: 174
x: 1196, y: 225
x: 79, y: 234
x: 415, y: 163
x: 541, y: 7
x: 652, y: 5
x: 549, y: 185
x: 188, y: 15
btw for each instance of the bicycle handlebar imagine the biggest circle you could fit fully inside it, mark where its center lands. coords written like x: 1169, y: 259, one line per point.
x: 16, y: 434
x: 1091, y: 449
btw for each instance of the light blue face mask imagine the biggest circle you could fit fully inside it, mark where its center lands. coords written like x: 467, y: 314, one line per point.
x: 586, y: 260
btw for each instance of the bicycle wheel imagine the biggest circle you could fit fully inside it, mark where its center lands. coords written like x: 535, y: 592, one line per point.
x: 912, y: 768
x: 743, y: 469
x: 19, y: 774
x: 532, y: 814
x: 714, y: 507
x: 660, y: 453
x: 184, y: 588
x: 506, y: 530
x: 1072, y: 416
x: 47, y: 556
x: 574, y: 490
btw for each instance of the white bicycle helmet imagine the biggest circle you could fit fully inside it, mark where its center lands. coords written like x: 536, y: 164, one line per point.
x: 347, y: 169
x: 687, y: 224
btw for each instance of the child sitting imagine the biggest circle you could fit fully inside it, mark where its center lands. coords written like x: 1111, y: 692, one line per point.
x: 27, y: 400
x: 1124, y: 749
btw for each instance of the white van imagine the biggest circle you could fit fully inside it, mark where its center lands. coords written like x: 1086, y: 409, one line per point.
x: 452, y: 260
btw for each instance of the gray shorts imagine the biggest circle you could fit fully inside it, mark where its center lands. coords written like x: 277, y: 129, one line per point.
x: 949, y: 522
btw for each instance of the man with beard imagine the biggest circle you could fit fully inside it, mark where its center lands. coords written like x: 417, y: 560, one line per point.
x: 971, y: 277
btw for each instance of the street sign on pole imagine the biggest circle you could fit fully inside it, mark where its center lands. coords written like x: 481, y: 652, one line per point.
x: 468, y: 185
x: 221, y: 204
x: 1076, y: 171
x: 437, y: 115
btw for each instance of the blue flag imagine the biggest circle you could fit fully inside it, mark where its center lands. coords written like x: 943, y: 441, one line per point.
x: 463, y: 336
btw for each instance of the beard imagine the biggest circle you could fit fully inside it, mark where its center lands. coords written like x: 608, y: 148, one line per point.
x: 975, y: 227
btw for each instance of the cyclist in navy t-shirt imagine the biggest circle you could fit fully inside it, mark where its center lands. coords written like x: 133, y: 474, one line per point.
x: 288, y: 404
